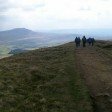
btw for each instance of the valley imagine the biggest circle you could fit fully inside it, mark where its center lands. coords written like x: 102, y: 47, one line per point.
x: 25, y: 39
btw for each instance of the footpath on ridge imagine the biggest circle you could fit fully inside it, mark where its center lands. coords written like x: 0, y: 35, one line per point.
x: 96, y: 70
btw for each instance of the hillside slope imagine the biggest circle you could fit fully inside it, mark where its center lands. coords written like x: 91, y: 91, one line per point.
x: 95, y: 65
x: 16, y: 34
x: 43, y: 80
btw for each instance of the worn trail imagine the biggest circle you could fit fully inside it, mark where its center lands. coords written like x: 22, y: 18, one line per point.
x: 96, y: 69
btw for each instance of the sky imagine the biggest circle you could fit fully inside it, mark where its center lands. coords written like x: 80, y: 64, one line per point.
x: 55, y: 14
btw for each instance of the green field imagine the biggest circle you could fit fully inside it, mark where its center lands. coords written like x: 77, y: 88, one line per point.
x: 4, y: 50
x: 43, y: 80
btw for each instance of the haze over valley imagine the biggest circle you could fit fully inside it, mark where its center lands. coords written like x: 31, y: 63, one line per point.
x: 22, y: 39
x: 25, y: 39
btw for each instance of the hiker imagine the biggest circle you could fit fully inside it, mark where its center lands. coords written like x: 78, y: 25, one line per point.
x: 84, y: 41
x: 89, y: 40
x: 92, y: 41
x: 77, y: 41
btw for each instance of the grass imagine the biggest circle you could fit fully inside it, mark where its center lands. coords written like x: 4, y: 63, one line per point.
x: 105, y: 47
x: 4, y: 50
x: 43, y: 80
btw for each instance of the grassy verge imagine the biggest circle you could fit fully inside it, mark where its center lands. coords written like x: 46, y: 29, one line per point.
x: 105, y: 47
x: 43, y: 80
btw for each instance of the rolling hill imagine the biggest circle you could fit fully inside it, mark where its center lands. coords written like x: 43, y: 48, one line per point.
x: 25, y: 39
x: 43, y: 80
x: 21, y: 34
x: 16, y: 34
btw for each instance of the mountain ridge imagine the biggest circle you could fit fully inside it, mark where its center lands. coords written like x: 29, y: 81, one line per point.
x: 22, y: 38
x: 16, y: 33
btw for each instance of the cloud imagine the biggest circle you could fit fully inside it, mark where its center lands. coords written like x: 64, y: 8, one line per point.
x: 23, y: 4
x: 43, y: 14
x: 34, y: 7
x: 85, y: 9
x: 105, y: 0
x: 4, y: 5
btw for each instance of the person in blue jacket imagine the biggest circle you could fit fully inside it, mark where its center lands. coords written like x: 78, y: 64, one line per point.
x: 77, y: 41
x: 89, y: 40
x: 92, y: 41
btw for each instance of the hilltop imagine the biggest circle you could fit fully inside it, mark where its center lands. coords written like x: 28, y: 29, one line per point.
x: 15, y: 34
x: 43, y: 80
x: 58, y: 79
x: 19, y: 34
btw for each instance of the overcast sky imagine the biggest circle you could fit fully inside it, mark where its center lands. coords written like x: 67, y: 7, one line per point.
x: 55, y: 14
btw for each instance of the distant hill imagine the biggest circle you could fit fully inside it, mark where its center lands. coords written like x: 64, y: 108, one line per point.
x: 16, y: 34
x: 22, y: 38
x: 20, y: 34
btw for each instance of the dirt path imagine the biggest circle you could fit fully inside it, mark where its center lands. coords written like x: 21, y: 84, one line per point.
x: 96, y: 69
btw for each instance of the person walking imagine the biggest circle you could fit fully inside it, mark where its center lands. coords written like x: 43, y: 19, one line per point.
x: 92, y: 41
x: 77, y: 41
x: 84, y: 41
x: 89, y: 40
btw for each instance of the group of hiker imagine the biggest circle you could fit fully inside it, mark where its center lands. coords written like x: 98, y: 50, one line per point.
x: 90, y: 41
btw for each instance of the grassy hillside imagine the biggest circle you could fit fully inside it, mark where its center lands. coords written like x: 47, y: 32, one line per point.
x: 43, y: 80
x: 105, y: 47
